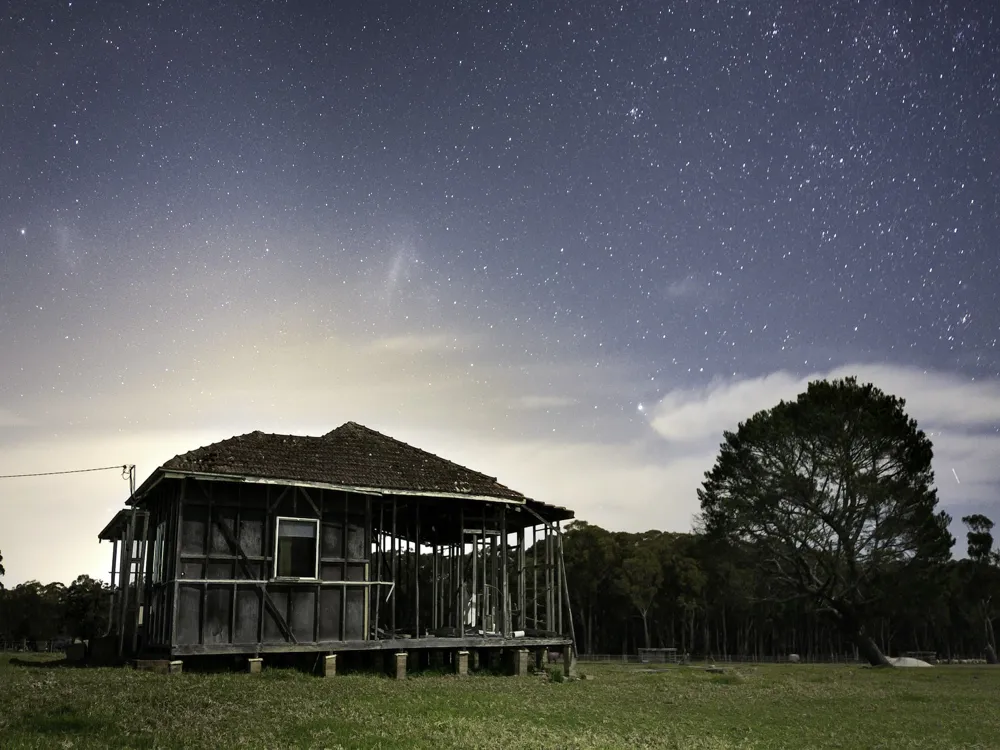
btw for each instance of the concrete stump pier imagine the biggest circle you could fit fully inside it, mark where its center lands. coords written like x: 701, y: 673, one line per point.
x: 462, y: 663
x: 254, y: 665
x: 401, y: 657
x: 330, y: 665
x: 519, y: 662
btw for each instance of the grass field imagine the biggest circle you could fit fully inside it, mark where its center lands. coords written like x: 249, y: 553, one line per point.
x: 789, y: 706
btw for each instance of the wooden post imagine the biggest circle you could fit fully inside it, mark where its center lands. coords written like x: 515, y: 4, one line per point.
x: 126, y: 577
x: 265, y: 541
x: 379, y: 561
x: 494, y: 587
x: 460, y: 608
x: 557, y: 555
x: 534, y: 574
x: 549, y: 624
x: 140, y: 583
x: 434, y: 611
x: 369, y: 518
x: 569, y: 662
x: 114, y: 565
x: 505, y: 585
x: 522, y: 616
x: 416, y: 574
x: 483, y: 594
x: 565, y: 589
x: 395, y: 563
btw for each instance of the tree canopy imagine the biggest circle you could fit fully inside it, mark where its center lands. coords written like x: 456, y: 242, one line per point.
x: 835, y: 491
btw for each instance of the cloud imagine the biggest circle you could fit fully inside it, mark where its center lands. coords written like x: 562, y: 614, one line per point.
x: 691, y: 415
x: 683, y: 288
x: 542, y: 402
x: 415, y: 343
x: 960, y: 417
x: 932, y: 398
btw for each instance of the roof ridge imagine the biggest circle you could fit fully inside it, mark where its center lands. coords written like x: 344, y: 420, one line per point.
x: 415, y: 448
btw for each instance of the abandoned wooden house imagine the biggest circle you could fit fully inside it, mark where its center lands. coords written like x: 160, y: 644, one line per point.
x: 346, y: 543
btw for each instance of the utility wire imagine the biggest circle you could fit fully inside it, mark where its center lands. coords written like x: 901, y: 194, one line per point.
x: 122, y: 467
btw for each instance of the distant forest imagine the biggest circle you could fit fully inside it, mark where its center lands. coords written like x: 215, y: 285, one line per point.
x: 676, y: 590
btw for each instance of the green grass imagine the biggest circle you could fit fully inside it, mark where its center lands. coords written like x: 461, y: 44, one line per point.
x: 621, y: 707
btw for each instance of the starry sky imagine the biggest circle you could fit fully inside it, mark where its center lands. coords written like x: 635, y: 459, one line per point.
x: 567, y: 244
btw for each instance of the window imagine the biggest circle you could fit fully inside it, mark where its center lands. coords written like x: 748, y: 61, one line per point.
x: 295, y: 548
x: 159, y: 562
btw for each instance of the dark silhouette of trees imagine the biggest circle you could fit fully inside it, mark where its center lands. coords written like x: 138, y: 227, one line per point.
x: 32, y: 612
x: 835, y: 491
x: 985, y: 575
x: 86, y: 605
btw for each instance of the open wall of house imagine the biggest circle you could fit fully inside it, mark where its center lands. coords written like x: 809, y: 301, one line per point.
x: 467, y: 569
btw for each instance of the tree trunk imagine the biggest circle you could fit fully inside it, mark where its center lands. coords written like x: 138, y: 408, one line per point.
x: 869, y: 649
x: 851, y: 625
x: 991, y: 643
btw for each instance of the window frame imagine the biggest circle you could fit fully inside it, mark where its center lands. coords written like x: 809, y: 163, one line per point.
x: 277, y: 539
x: 159, y: 558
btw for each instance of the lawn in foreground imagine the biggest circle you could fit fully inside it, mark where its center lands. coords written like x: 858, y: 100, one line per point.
x: 788, y: 706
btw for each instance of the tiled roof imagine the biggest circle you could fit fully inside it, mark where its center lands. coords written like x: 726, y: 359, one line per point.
x: 351, y: 455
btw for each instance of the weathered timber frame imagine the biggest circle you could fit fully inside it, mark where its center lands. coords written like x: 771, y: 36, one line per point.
x: 395, y: 570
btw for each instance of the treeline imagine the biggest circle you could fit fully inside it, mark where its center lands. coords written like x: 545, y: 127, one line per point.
x: 32, y: 612
x: 675, y: 590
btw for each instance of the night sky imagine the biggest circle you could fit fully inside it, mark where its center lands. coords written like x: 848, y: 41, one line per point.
x: 566, y: 244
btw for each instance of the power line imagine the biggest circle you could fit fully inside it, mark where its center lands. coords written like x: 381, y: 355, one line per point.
x: 122, y: 467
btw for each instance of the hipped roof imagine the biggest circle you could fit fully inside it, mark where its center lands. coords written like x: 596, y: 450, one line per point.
x: 352, y: 456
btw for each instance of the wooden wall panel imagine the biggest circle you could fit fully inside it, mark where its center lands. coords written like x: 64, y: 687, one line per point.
x: 302, y: 613
x: 272, y: 633
x: 218, y: 613
x: 227, y: 518
x: 329, y: 613
x: 355, y: 613
x: 252, y: 531
x: 356, y: 542
x: 188, y: 615
x: 248, y: 611
x: 193, y: 529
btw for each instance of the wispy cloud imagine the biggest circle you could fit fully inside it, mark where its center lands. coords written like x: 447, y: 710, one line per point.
x: 683, y: 288
x: 417, y: 343
x: 542, y: 402
x: 960, y: 416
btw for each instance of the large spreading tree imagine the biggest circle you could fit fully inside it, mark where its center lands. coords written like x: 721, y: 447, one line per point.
x: 835, y: 491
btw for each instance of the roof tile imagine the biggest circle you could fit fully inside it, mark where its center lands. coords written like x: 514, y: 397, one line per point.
x: 351, y: 455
